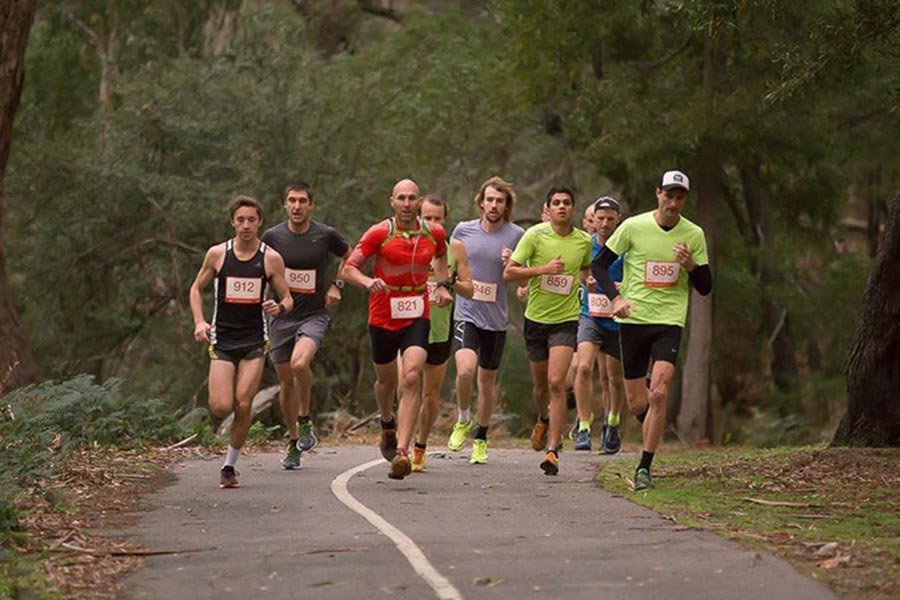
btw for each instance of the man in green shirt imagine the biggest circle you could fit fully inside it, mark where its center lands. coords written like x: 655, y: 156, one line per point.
x: 664, y: 254
x: 554, y: 257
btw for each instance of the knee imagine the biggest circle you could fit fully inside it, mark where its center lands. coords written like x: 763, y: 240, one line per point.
x: 657, y: 396
x: 219, y: 410
x: 465, y: 374
x: 557, y: 385
x: 615, y: 377
x: 299, y: 366
x: 411, y: 379
x: 583, y: 372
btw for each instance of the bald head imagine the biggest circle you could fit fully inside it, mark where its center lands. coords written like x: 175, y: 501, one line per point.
x: 405, y: 186
x: 406, y: 203
x: 587, y: 222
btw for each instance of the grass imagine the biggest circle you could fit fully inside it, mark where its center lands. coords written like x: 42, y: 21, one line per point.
x: 843, y: 527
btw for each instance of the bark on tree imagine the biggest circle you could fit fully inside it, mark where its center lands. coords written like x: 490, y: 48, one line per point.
x: 17, y: 365
x: 873, y: 360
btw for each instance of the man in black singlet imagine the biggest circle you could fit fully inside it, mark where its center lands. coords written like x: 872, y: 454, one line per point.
x: 241, y: 269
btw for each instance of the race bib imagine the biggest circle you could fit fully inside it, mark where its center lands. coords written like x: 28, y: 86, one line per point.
x: 600, y: 306
x: 661, y: 274
x: 301, y: 281
x: 485, y: 292
x: 243, y: 290
x: 432, y: 292
x: 407, y: 307
x: 557, y: 284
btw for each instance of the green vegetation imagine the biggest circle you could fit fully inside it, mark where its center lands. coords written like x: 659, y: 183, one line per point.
x: 40, y: 429
x: 838, y: 521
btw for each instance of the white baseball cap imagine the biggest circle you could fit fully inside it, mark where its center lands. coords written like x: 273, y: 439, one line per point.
x: 674, y: 179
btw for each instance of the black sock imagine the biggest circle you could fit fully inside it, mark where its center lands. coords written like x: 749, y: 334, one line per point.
x: 545, y: 419
x: 293, y: 441
x: 554, y: 451
x: 420, y: 446
x: 646, y: 460
x: 304, y: 419
x: 481, y: 432
x: 392, y: 424
x: 642, y: 415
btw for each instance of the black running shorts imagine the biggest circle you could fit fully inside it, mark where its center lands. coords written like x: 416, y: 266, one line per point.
x: 640, y: 343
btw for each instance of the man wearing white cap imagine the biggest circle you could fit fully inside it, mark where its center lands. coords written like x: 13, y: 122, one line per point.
x: 664, y: 253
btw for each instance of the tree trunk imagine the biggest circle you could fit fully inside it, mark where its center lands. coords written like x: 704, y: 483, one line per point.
x: 692, y: 423
x: 17, y: 366
x: 873, y: 361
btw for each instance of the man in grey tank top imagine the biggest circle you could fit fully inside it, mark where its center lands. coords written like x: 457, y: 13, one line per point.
x: 480, y: 322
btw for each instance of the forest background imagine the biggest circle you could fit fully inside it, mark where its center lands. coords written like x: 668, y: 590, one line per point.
x: 140, y: 119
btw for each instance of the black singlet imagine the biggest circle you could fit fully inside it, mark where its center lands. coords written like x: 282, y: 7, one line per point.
x: 240, y: 289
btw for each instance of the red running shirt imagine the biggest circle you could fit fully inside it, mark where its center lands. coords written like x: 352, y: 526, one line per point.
x: 402, y: 260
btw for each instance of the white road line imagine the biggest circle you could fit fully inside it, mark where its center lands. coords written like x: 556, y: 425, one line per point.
x: 441, y: 586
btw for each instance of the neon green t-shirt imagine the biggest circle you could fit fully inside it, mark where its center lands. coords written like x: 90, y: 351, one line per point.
x: 440, y: 315
x: 654, y: 282
x: 553, y: 298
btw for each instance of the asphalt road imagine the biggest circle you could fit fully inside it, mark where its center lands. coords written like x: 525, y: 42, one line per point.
x: 502, y: 530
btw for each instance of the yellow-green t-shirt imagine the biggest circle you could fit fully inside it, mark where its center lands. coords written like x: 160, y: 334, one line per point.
x: 653, y: 281
x: 553, y: 298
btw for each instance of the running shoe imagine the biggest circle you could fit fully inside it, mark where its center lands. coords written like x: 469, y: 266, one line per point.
x: 550, y: 466
x: 458, y: 435
x: 418, y: 462
x: 612, y: 442
x: 479, y: 452
x: 400, y: 465
x: 642, y: 480
x: 583, y: 440
x: 291, y: 460
x: 603, y: 431
x: 388, y: 445
x: 228, y: 478
x: 539, y: 435
x: 308, y: 439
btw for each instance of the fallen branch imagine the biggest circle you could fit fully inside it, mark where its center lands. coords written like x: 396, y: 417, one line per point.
x: 364, y: 422
x: 92, y: 552
x: 779, y: 503
x: 183, y: 442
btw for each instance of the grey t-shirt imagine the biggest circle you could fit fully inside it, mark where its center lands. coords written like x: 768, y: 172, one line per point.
x: 488, y: 309
x: 308, y: 264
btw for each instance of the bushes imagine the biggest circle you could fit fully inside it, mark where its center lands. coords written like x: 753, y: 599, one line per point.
x: 43, y: 424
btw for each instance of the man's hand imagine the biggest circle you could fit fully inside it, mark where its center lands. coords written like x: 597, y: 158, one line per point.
x: 505, y: 253
x: 332, y: 296
x: 272, y: 308
x: 555, y: 266
x: 522, y: 292
x: 622, y: 308
x: 376, y: 285
x: 684, y: 257
x: 201, y: 332
x: 442, y: 297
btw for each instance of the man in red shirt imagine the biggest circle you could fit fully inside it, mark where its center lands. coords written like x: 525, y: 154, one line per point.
x: 403, y: 247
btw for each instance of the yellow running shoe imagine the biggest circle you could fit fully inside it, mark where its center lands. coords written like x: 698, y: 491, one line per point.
x: 479, y: 452
x: 458, y: 435
x: 418, y: 463
x: 539, y: 435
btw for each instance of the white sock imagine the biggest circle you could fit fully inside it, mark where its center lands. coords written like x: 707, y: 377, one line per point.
x: 465, y: 415
x: 231, y: 456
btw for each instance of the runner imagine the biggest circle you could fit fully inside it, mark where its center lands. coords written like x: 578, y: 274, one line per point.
x: 306, y: 247
x: 663, y: 252
x: 481, y: 322
x: 551, y: 255
x: 241, y: 269
x: 597, y: 329
x: 434, y: 212
x: 403, y: 247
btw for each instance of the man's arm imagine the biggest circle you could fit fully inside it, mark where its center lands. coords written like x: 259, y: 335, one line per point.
x: 516, y: 272
x: 442, y: 274
x: 204, y: 276
x: 600, y: 271
x: 275, y: 273
x: 464, y: 285
x: 333, y: 294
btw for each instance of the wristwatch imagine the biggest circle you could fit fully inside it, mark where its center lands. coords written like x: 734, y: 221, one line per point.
x: 338, y: 283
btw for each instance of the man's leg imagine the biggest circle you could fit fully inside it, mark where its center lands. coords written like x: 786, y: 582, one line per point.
x: 221, y: 388
x: 540, y: 392
x: 433, y: 381
x: 557, y: 366
x: 289, y: 399
x: 612, y: 442
x: 487, y: 398
x: 385, y: 389
x: 413, y: 362
x: 304, y: 351
x: 584, y: 392
x: 466, y: 364
x: 655, y: 423
x: 249, y: 372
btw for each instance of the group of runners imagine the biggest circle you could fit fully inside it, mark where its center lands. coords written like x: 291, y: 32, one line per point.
x: 616, y: 293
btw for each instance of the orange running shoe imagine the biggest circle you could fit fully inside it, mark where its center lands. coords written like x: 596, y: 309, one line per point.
x: 418, y: 462
x: 550, y: 466
x: 400, y: 466
x: 539, y: 435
